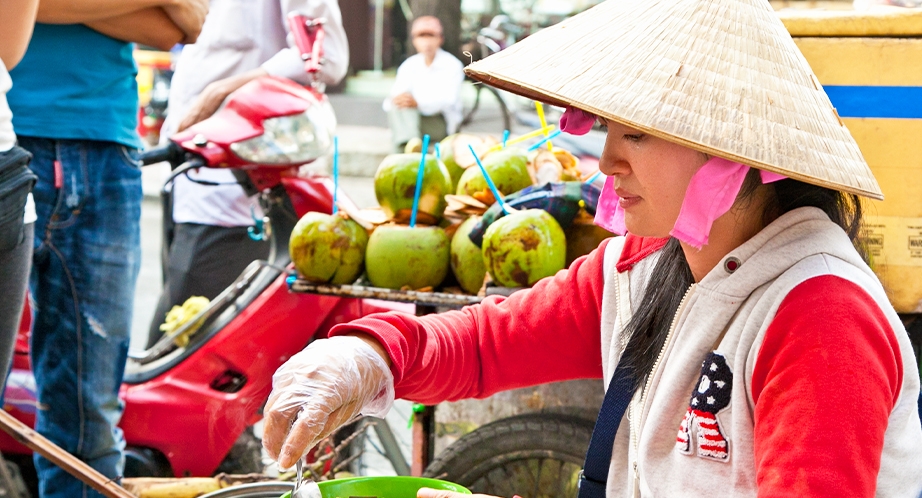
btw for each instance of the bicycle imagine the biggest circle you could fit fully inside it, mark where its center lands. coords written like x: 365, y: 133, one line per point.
x: 489, y: 105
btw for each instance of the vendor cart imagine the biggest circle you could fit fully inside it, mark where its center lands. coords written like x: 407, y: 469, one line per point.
x: 868, y: 63
x: 522, y: 437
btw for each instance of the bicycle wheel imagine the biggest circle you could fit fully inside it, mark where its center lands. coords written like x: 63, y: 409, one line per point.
x: 485, y: 111
x: 534, y: 456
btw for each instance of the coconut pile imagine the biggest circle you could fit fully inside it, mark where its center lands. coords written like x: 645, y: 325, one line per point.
x: 391, y: 248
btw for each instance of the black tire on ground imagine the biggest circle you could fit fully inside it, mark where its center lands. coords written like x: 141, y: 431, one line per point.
x: 244, y: 457
x: 534, y: 455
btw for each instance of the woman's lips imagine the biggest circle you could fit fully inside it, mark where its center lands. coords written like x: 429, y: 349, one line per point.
x: 626, y: 199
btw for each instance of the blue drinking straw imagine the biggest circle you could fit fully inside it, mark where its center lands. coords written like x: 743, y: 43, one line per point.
x: 419, y: 180
x: 544, y: 141
x: 505, y: 137
x: 496, y: 194
x: 593, y: 177
x: 438, y: 152
x: 335, y: 172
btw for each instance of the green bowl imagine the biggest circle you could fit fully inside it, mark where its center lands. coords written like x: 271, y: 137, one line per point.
x: 383, y: 487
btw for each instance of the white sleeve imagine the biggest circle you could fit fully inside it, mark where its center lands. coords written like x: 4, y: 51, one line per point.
x: 402, y: 84
x: 448, y: 92
x: 287, y: 62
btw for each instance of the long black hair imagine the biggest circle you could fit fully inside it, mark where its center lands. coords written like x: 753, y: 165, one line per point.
x: 671, y: 277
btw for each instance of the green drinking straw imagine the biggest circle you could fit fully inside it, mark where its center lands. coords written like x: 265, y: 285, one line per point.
x: 335, y: 172
x: 419, y: 180
x: 496, y: 194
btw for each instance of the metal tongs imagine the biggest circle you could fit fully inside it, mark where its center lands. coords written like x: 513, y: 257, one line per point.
x: 304, y: 489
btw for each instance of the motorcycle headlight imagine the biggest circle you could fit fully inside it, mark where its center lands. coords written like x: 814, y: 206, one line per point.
x: 294, y: 139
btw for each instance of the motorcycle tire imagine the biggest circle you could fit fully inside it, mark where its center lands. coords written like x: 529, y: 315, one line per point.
x: 244, y: 457
x: 534, y: 455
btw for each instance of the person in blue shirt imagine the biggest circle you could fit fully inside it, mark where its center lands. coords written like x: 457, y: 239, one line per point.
x: 74, y: 103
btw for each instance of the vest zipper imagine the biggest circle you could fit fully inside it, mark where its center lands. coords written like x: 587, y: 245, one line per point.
x: 633, y: 417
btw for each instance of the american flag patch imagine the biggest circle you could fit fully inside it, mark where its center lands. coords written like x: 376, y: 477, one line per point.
x: 711, y: 395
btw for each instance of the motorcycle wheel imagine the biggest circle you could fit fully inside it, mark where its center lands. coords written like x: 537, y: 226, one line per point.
x: 534, y: 455
x: 244, y: 457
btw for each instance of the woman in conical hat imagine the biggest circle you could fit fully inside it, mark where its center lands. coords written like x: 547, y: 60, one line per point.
x: 748, y: 348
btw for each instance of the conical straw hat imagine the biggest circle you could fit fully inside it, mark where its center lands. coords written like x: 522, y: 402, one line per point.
x: 720, y: 76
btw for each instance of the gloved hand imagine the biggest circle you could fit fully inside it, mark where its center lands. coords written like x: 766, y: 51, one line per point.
x: 320, y: 389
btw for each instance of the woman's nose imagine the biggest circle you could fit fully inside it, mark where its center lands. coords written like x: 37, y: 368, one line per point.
x: 613, y: 161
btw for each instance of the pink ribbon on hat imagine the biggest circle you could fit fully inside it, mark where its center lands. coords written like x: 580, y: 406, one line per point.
x: 710, y: 194
x: 576, y: 121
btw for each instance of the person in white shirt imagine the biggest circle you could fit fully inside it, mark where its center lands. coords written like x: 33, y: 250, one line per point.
x: 17, y: 209
x: 426, y: 96
x: 240, y: 41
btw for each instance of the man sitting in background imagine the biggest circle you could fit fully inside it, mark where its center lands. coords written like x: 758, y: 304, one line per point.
x: 426, y: 97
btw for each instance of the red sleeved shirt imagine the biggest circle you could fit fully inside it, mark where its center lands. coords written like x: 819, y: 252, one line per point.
x: 825, y: 381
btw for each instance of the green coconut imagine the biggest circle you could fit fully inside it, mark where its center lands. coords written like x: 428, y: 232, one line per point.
x: 447, y: 148
x: 398, y: 256
x: 508, y: 168
x: 395, y: 184
x: 523, y: 247
x: 328, y: 248
x: 467, y: 258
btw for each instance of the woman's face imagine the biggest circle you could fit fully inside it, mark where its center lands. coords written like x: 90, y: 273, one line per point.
x: 651, y: 176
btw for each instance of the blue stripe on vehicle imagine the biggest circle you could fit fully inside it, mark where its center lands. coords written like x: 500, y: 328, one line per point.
x: 876, y: 101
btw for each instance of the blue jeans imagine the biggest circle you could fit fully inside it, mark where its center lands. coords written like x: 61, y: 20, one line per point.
x: 85, y: 266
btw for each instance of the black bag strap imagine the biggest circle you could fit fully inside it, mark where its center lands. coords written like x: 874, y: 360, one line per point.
x: 594, y: 476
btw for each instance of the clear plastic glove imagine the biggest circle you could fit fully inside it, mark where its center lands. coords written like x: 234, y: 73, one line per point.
x: 321, y: 389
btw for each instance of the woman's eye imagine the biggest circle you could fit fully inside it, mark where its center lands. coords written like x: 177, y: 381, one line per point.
x: 634, y: 138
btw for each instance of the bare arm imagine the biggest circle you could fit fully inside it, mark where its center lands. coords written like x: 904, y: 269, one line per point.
x: 17, y: 17
x: 188, y: 15
x: 87, y: 11
x: 150, y: 26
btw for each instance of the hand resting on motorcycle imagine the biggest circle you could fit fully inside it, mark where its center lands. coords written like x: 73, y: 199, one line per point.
x: 323, y: 387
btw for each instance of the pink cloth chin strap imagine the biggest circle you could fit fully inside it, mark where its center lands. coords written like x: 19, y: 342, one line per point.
x: 710, y: 194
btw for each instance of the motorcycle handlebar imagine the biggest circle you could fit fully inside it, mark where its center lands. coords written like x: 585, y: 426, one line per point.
x: 169, y: 152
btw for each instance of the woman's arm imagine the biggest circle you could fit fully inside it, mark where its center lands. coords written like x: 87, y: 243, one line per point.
x: 828, y: 374
x: 17, y: 17
x: 548, y: 333
x: 150, y: 26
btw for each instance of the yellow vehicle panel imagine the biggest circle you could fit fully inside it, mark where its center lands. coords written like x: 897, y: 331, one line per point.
x: 870, y: 64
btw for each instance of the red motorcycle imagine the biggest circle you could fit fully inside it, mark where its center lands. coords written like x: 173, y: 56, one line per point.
x: 189, y: 410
